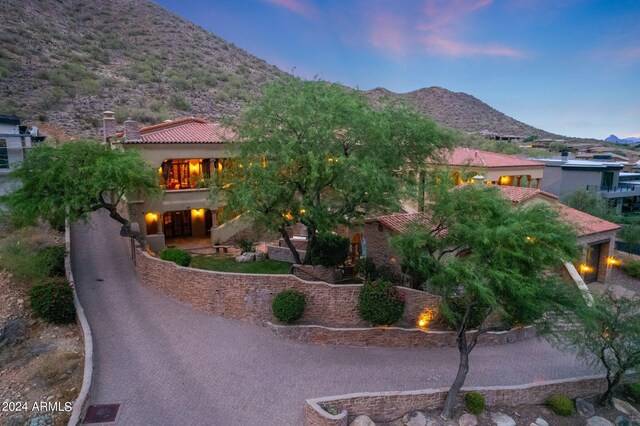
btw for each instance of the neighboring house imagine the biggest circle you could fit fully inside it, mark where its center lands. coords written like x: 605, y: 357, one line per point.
x: 15, y: 141
x: 497, y: 169
x: 595, y: 235
x: 565, y: 176
x: 186, y: 153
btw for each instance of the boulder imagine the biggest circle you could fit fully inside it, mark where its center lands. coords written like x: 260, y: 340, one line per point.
x: 626, y: 408
x: 246, y: 257
x: 598, y: 421
x: 467, y: 420
x: 362, y: 420
x: 585, y: 408
x: 260, y: 256
x: 414, y: 418
x: 501, y: 419
x: 624, y: 420
x: 14, y: 331
x: 541, y: 422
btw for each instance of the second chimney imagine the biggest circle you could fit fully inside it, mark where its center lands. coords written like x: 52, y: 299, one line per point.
x: 131, y: 131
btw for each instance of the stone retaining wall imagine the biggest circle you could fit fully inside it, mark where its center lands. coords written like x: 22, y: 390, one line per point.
x: 248, y: 297
x: 392, y: 336
x: 388, y: 406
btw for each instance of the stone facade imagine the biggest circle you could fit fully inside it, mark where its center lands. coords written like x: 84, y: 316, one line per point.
x: 393, y: 336
x: 388, y: 406
x: 283, y: 254
x: 248, y: 297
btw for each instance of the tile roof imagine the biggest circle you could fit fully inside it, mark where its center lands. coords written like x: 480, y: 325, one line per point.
x: 522, y: 194
x: 584, y: 223
x: 186, y: 130
x: 473, y: 157
x: 399, y: 222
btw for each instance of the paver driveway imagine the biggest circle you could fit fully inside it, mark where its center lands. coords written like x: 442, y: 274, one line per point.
x: 170, y: 365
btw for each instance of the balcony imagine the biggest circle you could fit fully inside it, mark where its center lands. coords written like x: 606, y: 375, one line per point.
x: 621, y: 191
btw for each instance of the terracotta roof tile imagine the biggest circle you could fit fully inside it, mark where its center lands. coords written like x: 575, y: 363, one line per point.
x: 186, y: 130
x: 584, y: 223
x: 461, y: 156
x: 399, y: 222
x: 522, y: 194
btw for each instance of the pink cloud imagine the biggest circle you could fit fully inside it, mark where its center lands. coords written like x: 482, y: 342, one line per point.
x: 443, y: 46
x: 299, y: 7
x: 387, y: 34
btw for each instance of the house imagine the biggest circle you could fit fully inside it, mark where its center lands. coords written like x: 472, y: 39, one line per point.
x: 186, y: 153
x: 566, y: 175
x: 498, y: 169
x: 595, y: 235
x: 15, y: 141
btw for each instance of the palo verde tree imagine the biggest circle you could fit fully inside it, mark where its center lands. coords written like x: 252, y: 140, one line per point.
x: 487, y: 259
x: 606, y: 333
x: 75, y: 179
x: 317, y: 153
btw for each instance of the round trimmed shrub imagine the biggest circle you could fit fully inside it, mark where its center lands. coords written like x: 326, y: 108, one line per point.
x: 330, y: 250
x: 53, y: 302
x: 288, y: 306
x: 562, y: 405
x: 380, y: 303
x: 176, y: 255
x: 475, y: 402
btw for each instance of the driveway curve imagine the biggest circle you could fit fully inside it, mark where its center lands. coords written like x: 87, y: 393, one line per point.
x: 167, y: 364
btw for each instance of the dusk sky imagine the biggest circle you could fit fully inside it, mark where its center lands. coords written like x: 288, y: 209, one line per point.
x: 567, y: 66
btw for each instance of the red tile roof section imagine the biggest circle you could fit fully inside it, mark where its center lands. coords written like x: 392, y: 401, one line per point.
x: 522, y: 194
x: 186, y: 130
x: 584, y: 223
x: 473, y: 157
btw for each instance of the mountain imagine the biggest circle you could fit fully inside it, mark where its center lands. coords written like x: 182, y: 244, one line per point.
x: 64, y: 62
x: 461, y: 111
x: 615, y: 139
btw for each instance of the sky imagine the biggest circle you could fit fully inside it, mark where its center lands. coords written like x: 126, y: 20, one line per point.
x: 570, y: 67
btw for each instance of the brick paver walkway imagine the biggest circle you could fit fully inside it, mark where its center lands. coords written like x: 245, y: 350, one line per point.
x: 169, y: 365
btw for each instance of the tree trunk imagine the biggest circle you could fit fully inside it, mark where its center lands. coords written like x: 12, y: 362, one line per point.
x: 605, y: 399
x: 311, y: 242
x: 287, y: 241
x: 125, y: 231
x: 463, y: 369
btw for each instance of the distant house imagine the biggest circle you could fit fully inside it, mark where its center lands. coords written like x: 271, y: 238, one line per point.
x: 595, y: 235
x: 15, y: 141
x: 498, y: 169
x: 566, y: 175
x: 186, y: 153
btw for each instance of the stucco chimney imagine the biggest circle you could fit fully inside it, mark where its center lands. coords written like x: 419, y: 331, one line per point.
x: 108, y: 125
x: 131, y: 131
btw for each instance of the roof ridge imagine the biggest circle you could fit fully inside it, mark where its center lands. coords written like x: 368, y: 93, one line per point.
x: 172, y: 123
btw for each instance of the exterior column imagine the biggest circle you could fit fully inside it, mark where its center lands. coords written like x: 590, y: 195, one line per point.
x: 518, y: 179
x: 619, y: 203
x: 537, y: 183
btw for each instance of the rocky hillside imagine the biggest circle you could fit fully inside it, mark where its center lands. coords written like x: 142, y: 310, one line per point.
x: 63, y: 62
x: 461, y: 111
x: 66, y: 61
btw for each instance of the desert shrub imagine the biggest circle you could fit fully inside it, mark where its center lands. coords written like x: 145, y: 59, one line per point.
x: 633, y: 390
x: 330, y: 250
x: 53, y: 302
x: 288, y: 306
x: 180, y: 102
x: 176, y: 255
x: 562, y: 405
x: 380, y: 303
x: 632, y: 268
x: 246, y: 245
x: 51, y: 261
x: 475, y: 402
